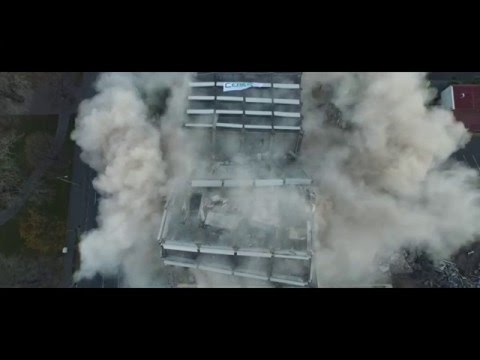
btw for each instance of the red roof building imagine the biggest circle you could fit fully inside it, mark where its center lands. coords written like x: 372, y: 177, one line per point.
x: 464, y: 101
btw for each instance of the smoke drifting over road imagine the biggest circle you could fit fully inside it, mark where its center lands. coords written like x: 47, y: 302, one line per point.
x: 121, y: 139
x: 387, y: 176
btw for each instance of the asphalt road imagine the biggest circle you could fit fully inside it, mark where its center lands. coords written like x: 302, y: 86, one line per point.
x: 83, y: 208
x: 470, y: 155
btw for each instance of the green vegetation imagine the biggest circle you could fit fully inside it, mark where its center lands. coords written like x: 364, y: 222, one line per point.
x: 455, y: 81
x: 24, y: 127
x: 40, y: 227
x: 42, y: 233
x: 476, y: 80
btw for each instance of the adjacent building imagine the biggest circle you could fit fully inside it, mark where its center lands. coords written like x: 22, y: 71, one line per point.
x: 464, y: 101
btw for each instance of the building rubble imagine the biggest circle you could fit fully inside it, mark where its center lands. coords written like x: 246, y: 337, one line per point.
x: 421, y: 271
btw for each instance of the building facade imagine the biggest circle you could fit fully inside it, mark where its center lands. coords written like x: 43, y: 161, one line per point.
x: 247, y: 210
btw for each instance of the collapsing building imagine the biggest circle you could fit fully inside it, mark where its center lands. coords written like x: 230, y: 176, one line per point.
x: 248, y: 208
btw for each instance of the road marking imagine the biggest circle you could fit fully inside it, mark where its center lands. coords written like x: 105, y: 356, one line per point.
x: 476, y: 163
x: 465, y: 159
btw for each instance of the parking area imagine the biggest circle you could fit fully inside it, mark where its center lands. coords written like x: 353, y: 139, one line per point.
x: 470, y: 155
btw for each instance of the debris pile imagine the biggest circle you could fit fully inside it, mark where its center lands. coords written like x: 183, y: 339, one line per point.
x: 334, y: 116
x: 448, y: 276
x: 423, y: 272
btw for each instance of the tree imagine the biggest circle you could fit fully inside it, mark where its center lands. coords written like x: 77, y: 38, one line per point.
x: 42, y: 233
x: 8, y: 139
x: 8, y: 88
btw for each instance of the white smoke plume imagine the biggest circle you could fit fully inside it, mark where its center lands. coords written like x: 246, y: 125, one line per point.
x: 383, y: 184
x: 120, y: 138
x: 387, y: 177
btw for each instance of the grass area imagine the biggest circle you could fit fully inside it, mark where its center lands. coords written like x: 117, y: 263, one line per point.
x: 56, y: 206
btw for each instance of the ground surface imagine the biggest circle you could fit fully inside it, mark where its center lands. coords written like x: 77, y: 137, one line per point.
x: 32, y: 230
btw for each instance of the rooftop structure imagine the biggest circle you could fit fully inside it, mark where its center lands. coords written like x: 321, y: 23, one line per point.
x: 264, y: 119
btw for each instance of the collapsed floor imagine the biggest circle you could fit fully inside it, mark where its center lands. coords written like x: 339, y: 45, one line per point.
x: 261, y: 233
